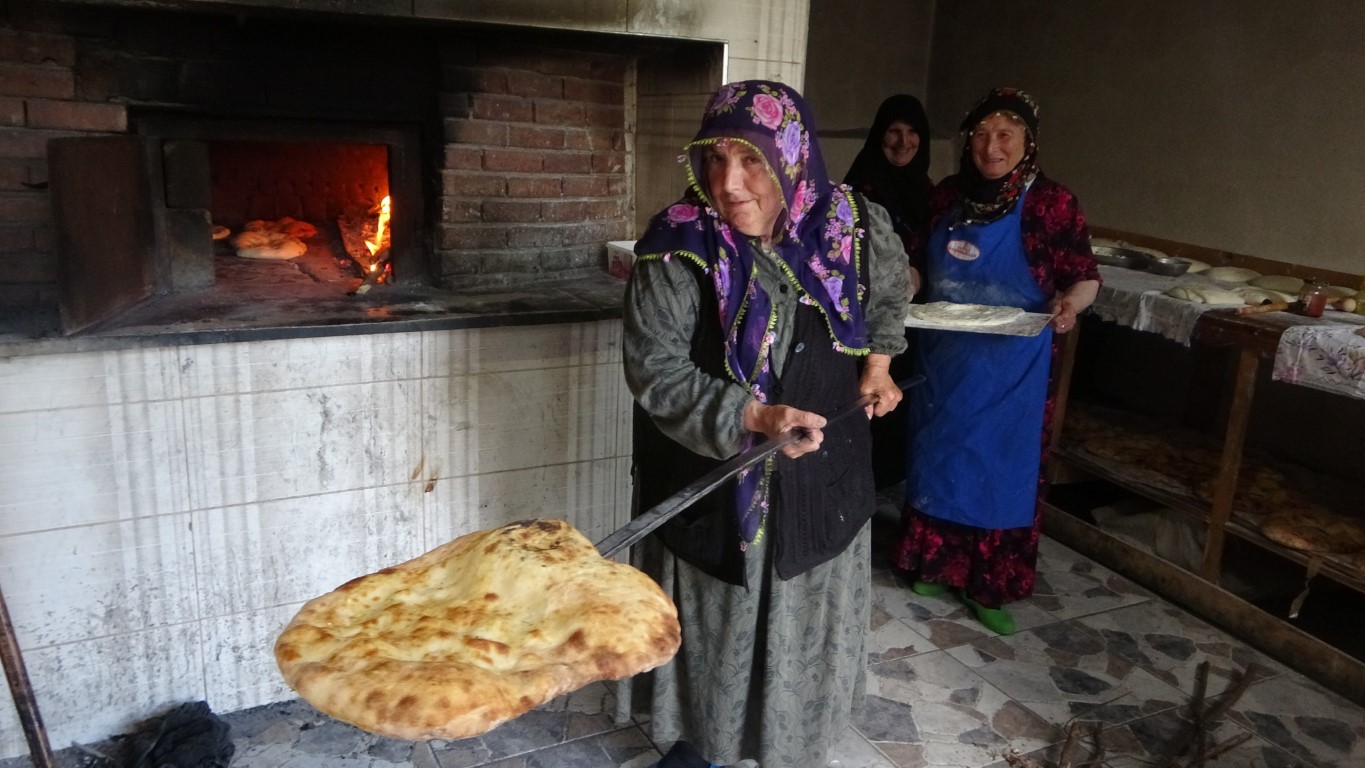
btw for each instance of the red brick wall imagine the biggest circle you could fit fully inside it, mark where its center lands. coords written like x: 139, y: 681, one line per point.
x: 38, y: 101
x: 524, y: 155
x: 535, y: 160
x: 315, y: 182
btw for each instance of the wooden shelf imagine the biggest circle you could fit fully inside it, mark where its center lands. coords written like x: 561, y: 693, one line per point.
x: 1339, y: 568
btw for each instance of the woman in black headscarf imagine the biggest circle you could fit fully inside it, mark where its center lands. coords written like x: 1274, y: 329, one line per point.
x: 892, y: 170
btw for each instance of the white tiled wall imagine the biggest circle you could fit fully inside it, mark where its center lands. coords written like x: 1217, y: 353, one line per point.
x: 165, y: 512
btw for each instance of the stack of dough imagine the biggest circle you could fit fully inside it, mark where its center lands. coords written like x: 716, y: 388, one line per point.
x: 1232, y: 275
x: 1204, y: 294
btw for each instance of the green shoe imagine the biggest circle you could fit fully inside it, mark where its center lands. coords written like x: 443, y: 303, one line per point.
x: 928, y: 588
x: 997, y: 620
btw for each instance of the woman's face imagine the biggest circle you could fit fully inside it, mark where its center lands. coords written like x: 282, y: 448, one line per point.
x: 998, y: 144
x: 900, y: 143
x: 741, y: 188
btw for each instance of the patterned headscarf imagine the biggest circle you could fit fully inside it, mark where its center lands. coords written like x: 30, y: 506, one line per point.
x: 817, y: 241
x: 985, y: 200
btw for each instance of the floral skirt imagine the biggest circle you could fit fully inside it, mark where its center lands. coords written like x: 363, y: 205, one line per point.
x: 993, y: 566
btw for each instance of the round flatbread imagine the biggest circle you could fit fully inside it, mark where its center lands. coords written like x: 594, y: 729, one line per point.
x: 1235, y: 275
x: 1281, y: 283
x: 267, y: 244
x: 964, y: 315
x: 1340, y: 292
x: 476, y: 632
x: 1315, y: 531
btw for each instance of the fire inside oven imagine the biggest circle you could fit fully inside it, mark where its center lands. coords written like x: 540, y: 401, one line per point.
x: 321, y: 208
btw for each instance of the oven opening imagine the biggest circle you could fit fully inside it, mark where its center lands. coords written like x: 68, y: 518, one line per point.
x: 301, y: 213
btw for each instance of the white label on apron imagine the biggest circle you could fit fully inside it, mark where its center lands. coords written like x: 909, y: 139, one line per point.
x: 961, y: 249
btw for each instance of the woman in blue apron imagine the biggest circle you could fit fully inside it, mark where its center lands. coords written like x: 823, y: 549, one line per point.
x: 1002, y: 234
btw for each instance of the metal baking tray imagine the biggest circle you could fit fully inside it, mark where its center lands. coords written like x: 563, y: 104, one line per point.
x: 1030, y: 324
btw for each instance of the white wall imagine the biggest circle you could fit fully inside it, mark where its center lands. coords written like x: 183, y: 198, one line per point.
x: 1231, y: 125
x: 166, y: 511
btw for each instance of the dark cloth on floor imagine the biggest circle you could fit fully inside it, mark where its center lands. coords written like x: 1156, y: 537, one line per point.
x: 189, y: 736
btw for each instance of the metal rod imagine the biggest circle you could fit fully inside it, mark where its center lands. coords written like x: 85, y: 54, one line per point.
x: 645, y: 523
x: 19, y: 687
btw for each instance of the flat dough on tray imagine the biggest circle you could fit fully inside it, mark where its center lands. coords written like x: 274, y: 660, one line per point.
x: 946, y: 313
x: 476, y: 632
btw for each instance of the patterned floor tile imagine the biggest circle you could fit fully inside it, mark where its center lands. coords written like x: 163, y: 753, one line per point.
x: 1170, y: 643
x: 894, y: 639
x: 1070, y: 584
x: 1064, y: 672
x: 585, y: 712
x: 1155, y: 740
x: 1309, y: 722
x: 944, y: 620
x: 931, y: 710
x: 851, y: 750
x: 625, y: 748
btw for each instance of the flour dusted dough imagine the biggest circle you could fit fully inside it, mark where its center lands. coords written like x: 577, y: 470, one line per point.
x: 964, y: 315
x: 1255, y: 296
x: 1203, y: 294
x: 1232, y: 274
x: 1282, y: 283
x: 476, y: 632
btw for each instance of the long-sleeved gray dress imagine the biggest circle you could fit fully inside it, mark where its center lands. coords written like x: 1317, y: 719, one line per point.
x: 770, y: 672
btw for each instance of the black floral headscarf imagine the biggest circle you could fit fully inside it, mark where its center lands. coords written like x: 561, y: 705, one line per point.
x: 985, y: 200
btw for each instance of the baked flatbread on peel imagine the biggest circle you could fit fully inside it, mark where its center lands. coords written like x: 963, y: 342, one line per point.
x: 475, y: 632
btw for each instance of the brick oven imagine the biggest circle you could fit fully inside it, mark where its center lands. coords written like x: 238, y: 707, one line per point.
x: 507, y: 152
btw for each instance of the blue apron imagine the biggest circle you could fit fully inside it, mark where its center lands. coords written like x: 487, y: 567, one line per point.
x: 976, y: 422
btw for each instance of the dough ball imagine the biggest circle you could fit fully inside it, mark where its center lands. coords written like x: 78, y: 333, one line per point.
x: 1281, y: 283
x: 1233, y: 275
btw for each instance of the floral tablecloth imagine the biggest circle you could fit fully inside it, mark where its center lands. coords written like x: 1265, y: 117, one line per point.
x: 1326, y: 357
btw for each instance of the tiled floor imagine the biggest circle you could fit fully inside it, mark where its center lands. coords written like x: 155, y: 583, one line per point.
x: 1091, y: 648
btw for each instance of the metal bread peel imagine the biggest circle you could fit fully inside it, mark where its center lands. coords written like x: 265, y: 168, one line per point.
x: 645, y: 523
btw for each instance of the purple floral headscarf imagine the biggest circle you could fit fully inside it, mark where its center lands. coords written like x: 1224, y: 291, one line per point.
x: 818, y: 241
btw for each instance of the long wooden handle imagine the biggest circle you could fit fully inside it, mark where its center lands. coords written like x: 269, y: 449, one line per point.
x: 1345, y: 304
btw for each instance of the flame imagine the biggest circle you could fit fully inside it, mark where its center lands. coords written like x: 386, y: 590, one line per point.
x: 378, y: 241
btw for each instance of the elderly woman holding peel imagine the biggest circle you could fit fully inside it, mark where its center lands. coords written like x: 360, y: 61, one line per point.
x: 1001, y: 233
x: 764, y: 297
